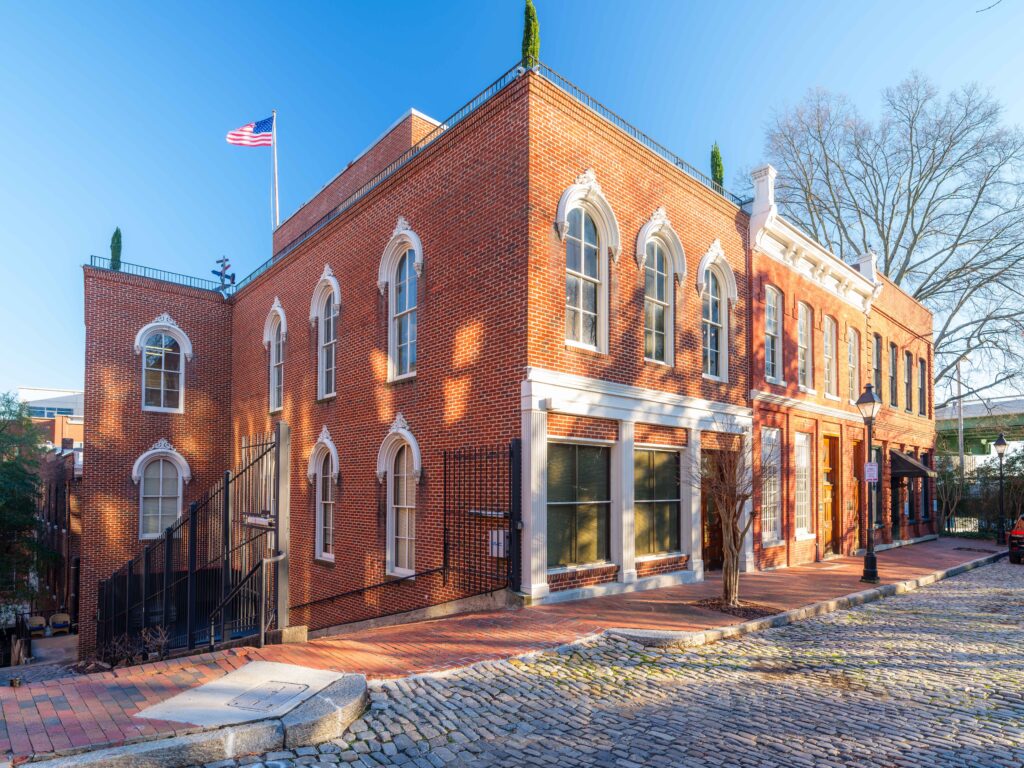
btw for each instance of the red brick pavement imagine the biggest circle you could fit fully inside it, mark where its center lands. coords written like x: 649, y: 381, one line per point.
x: 96, y: 710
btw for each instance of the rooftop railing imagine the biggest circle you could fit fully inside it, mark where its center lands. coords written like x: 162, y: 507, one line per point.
x: 102, y: 262
x: 461, y: 114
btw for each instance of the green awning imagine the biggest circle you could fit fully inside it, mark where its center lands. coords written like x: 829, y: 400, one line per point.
x: 905, y: 465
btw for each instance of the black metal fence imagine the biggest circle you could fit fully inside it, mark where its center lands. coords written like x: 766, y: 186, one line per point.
x: 203, y: 581
x: 975, y: 524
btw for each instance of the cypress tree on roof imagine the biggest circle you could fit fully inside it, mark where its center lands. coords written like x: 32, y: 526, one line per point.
x: 717, y: 169
x: 115, y: 250
x: 531, y: 36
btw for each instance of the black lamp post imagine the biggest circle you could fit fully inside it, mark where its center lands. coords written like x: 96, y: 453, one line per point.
x: 869, y: 404
x: 1000, y: 446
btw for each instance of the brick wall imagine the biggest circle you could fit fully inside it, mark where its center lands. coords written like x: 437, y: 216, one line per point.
x: 582, y: 577
x: 118, y: 431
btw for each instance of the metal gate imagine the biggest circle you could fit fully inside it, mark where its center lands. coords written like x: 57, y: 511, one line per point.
x: 208, y: 578
x: 482, y: 518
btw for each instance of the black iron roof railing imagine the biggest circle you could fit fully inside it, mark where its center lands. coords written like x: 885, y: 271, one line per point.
x: 102, y: 262
x: 463, y: 112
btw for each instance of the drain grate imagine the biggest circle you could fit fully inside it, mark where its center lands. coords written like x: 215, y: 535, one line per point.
x: 268, y: 696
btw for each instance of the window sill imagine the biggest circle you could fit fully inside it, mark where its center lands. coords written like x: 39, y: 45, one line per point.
x: 577, y: 568
x: 324, y: 559
x: 400, y: 574
x: 327, y: 398
x: 580, y: 347
x: 663, y: 363
x: 275, y: 411
x: 403, y: 377
x: 717, y: 379
x: 658, y: 556
x: 836, y: 398
x: 805, y: 536
x: 807, y: 390
x: 154, y: 409
x: 775, y: 382
x: 772, y: 543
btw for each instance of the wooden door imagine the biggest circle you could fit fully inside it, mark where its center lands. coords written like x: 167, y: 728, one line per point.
x: 830, y: 502
x: 858, y: 479
x: 711, y: 539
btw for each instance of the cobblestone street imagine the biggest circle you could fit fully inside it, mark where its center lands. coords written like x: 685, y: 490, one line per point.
x: 933, y: 678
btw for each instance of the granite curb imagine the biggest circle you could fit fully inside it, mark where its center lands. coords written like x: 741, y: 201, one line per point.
x: 658, y: 638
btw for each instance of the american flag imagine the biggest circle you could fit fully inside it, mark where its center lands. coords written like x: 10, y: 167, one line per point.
x: 258, y: 134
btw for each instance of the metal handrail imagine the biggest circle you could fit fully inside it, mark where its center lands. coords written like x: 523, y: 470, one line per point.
x: 103, y: 262
x: 260, y: 567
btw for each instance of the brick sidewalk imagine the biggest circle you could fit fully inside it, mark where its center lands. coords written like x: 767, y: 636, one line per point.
x: 96, y: 710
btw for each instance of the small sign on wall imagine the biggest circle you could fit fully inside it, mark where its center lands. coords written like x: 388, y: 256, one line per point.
x: 871, y: 471
x: 498, y: 543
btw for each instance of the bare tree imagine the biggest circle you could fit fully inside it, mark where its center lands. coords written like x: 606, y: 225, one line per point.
x: 726, y: 482
x: 949, y: 487
x: 935, y: 187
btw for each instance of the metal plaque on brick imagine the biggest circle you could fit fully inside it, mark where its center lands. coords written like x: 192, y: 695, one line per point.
x: 268, y: 696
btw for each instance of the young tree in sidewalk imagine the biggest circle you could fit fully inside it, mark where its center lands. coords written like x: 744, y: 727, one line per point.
x: 21, y: 547
x: 727, y: 487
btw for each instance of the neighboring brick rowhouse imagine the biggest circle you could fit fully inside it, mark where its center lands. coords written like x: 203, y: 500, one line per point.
x: 482, y: 198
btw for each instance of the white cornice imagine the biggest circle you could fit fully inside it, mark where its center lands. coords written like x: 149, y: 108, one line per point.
x: 784, y: 401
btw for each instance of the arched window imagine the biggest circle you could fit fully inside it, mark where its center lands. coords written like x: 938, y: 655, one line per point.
x: 323, y: 311
x: 583, y: 279
x: 713, y: 325
x: 322, y: 471
x: 160, y: 474
x: 586, y: 223
x: 829, y: 353
x: 403, y: 316
x: 657, y: 303
x: 853, y: 363
x: 804, y: 348
x: 327, y: 341
x: 772, y: 334
x: 399, y: 467
x: 325, y: 511
x: 164, y: 348
x: 275, y: 330
x: 402, y: 522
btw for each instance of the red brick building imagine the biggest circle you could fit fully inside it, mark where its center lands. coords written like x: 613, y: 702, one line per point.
x: 531, y: 269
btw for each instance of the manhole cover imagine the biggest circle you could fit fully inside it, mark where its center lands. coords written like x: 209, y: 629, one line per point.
x: 267, y: 696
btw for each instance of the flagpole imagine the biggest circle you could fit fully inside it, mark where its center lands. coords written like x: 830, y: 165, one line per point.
x: 277, y: 207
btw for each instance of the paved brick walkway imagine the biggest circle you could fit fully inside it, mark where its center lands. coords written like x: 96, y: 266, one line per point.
x: 94, y: 710
x: 931, y: 679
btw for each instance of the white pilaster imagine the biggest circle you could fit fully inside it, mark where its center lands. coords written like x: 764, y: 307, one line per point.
x: 693, y: 533
x: 535, y: 499
x: 624, y: 528
x: 747, y: 563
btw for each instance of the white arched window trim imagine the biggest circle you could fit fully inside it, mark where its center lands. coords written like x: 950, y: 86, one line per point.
x: 164, y: 323
x: 715, y: 258
x: 398, y: 436
x: 659, y: 229
x: 326, y: 287
x: 323, y: 445
x: 276, y: 311
x: 587, y: 192
x: 402, y: 239
x: 161, y: 449
x: 323, y: 449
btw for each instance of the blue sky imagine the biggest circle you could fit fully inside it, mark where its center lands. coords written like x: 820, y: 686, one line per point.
x: 115, y: 114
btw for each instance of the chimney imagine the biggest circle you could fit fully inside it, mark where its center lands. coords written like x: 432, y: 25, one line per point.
x: 867, y: 264
x: 764, y: 191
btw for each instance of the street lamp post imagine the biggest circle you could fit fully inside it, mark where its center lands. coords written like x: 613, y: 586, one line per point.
x: 1000, y: 446
x: 869, y: 404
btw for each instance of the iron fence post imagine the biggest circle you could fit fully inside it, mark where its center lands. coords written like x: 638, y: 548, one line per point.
x: 261, y: 611
x: 282, y: 519
x: 226, y: 567
x: 165, y: 608
x: 444, y: 562
x: 515, y: 516
x: 147, y: 567
x: 190, y: 611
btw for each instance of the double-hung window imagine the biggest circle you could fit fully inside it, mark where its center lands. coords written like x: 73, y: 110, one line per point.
x: 876, y: 365
x: 908, y: 381
x: 328, y: 343
x: 656, y: 490
x: 160, y: 498
x: 894, y: 389
x: 853, y: 363
x: 771, y: 481
x: 325, y: 509
x: 712, y: 325
x: 802, y: 448
x: 922, y: 387
x: 161, y: 360
x: 276, y: 366
x: 582, y: 279
x: 579, y: 504
x: 404, y: 315
x: 829, y: 353
x: 772, y: 335
x: 657, y: 296
x: 403, y: 514
x: 805, y: 350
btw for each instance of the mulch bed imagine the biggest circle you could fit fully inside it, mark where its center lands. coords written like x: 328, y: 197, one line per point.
x: 745, y: 610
